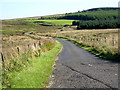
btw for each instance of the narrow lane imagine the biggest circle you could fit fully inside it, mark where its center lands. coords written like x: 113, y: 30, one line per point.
x: 77, y: 68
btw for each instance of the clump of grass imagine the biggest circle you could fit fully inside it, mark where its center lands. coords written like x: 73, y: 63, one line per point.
x: 48, y: 43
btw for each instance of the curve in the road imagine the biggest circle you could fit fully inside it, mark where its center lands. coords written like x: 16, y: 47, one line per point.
x: 77, y: 68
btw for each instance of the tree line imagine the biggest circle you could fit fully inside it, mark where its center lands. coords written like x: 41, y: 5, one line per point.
x: 92, y: 15
x: 97, y: 24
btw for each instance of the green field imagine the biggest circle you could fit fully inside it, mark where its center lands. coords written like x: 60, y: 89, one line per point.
x: 54, y: 22
x: 59, y: 22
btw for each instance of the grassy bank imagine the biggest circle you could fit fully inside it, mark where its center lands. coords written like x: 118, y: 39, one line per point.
x: 37, y: 74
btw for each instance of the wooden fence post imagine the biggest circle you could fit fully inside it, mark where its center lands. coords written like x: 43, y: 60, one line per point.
x: 18, y: 49
x: 28, y: 45
x: 113, y: 41
x: 34, y: 45
x: 2, y: 57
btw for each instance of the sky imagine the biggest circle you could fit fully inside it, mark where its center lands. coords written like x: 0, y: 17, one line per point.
x: 10, y: 9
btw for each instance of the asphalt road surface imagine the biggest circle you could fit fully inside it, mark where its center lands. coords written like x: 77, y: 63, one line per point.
x: 77, y: 68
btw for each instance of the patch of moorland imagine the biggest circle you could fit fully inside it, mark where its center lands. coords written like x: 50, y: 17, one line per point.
x: 20, y: 27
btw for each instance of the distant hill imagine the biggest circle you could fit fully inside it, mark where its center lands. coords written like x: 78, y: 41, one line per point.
x: 95, y: 18
x: 90, y: 14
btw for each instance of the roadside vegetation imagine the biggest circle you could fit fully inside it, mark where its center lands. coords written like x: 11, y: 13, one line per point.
x: 31, y: 56
x: 37, y: 74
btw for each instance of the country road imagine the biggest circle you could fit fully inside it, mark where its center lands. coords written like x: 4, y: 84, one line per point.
x: 77, y: 68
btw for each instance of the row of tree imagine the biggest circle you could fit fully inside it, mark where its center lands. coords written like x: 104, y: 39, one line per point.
x: 97, y: 24
x: 90, y: 15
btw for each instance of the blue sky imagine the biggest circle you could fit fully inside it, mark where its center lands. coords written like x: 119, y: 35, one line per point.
x: 27, y: 8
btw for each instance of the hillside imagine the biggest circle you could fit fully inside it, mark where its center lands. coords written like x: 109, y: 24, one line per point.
x: 95, y: 18
x: 90, y: 14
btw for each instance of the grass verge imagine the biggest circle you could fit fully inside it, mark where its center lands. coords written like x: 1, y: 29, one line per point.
x: 37, y: 74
